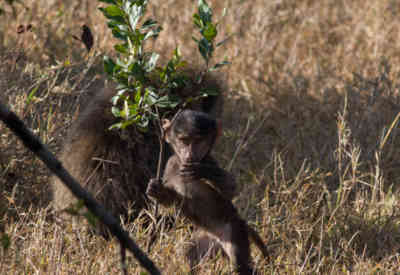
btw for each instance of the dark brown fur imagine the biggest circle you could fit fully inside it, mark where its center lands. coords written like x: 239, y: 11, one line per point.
x: 206, y: 202
x: 115, y: 167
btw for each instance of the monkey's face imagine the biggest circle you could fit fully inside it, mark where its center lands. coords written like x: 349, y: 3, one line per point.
x: 191, y: 148
x: 191, y: 135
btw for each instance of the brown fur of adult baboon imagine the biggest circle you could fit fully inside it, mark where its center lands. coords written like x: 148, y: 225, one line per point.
x: 116, y: 166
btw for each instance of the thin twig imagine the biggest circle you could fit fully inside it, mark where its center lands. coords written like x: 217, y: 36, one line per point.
x: 161, y: 140
x: 124, y: 267
x: 155, y: 226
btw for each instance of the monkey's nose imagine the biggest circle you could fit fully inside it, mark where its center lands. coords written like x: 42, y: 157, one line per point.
x: 189, y: 160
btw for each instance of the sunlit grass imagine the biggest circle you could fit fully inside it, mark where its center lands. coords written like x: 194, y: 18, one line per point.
x: 310, y: 133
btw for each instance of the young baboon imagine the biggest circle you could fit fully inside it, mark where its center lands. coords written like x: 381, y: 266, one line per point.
x: 116, y: 167
x: 193, y: 181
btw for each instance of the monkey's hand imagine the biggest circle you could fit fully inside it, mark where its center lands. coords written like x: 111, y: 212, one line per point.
x: 155, y: 188
x: 209, y: 170
x: 192, y: 170
x: 198, y: 170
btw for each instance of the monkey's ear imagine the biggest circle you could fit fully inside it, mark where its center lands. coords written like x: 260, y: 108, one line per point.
x: 166, y: 125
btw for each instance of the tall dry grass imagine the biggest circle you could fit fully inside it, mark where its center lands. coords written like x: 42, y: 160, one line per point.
x: 311, y: 133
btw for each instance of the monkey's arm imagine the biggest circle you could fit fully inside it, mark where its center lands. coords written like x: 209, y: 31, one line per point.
x: 158, y: 189
x: 228, y: 186
x: 161, y: 193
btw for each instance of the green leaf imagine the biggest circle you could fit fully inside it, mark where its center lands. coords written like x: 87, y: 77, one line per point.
x: 31, y: 95
x: 219, y: 65
x: 138, y: 95
x: 197, y: 21
x: 143, y: 123
x: 134, y: 13
x: 177, y: 55
x: 115, y: 99
x: 125, y: 112
x: 149, y: 23
x: 121, y: 48
x: 108, y: 1
x: 127, y: 123
x: 136, y: 70
x: 121, y: 63
x: 122, y: 78
x: 205, y: 12
x: 168, y: 101
x: 152, y: 62
x: 116, y: 126
x: 205, y: 48
x: 136, y: 39
x: 209, y: 32
x: 91, y: 218
x: 119, y: 30
x: 152, y: 33
x: 116, y: 111
x: 118, y: 34
x: 178, y: 81
x: 119, y: 26
x: 109, y: 65
x: 140, y: 2
x: 113, y: 12
x: 151, y: 96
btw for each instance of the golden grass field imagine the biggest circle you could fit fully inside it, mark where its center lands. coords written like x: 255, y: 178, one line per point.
x: 311, y: 132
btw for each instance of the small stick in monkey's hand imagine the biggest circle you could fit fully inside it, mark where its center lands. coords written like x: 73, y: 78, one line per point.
x: 33, y: 143
x: 155, y: 225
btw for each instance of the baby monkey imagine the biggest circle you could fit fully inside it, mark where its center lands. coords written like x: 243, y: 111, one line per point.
x: 193, y: 181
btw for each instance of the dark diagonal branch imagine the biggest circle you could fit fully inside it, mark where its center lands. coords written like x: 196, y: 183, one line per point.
x: 34, y: 144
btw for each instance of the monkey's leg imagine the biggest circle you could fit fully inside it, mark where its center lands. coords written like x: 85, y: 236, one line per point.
x: 202, y: 247
x: 235, y: 243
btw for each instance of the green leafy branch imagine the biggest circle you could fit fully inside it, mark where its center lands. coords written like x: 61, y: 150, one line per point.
x: 131, y: 70
x: 208, y: 30
x: 143, y: 87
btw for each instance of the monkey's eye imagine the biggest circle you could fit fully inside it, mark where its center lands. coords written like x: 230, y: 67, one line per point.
x: 197, y: 140
x: 185, y: 140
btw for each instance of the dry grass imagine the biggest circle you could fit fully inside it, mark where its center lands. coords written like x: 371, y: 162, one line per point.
x: 311, y: 133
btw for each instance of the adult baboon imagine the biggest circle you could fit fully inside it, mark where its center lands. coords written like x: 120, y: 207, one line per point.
x: 116, y: 166
x: 194, y: 182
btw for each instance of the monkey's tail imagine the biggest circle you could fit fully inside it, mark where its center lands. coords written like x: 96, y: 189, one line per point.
x: 255, y: 237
